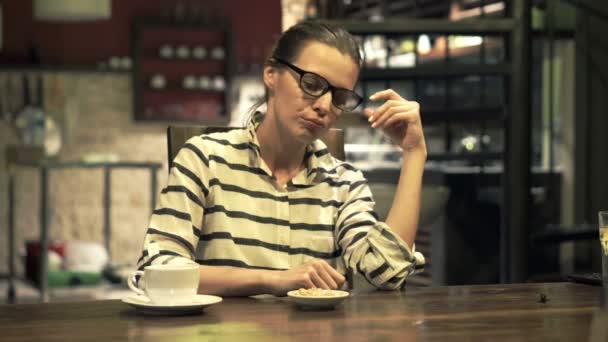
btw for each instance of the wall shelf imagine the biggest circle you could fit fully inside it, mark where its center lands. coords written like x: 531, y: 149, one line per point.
x: 162, y: 51
x: 60, y: 68
x: 438, y: 70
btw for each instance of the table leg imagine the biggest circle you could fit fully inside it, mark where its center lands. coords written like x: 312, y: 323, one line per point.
x: 11, y: 294
x: 44, y: 236
x: 107, y: 202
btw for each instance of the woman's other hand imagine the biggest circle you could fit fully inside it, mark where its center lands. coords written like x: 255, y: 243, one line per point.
x: 316, y: 273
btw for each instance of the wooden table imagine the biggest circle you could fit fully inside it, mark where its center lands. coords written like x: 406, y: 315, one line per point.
x: 453, y: 313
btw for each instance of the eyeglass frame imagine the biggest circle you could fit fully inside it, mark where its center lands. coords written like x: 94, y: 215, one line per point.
x: 330, y: 87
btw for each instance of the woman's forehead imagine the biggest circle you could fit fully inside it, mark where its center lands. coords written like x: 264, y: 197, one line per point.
x: 338, y: 68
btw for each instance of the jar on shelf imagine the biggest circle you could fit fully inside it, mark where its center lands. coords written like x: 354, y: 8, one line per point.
x: 158, y: 81
x: 219, y: 83
x: 182, y: 52
x: 218, y: 53
x: 125, y: 62
x: 166, y: 51
x: 114, y: 62
x: 189, y: 82
x: 199, y: 52
x: 204, y: 82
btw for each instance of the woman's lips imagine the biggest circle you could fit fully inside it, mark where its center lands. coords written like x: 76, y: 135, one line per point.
x: 313, y: 124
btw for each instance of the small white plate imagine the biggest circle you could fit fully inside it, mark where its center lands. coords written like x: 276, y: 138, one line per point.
x: 144, y: 305
x: 318, y: 302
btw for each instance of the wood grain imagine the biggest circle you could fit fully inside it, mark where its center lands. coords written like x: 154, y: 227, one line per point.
x: 458, y: 313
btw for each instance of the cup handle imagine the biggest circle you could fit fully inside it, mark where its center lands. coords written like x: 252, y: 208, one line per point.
x: 131, y: 283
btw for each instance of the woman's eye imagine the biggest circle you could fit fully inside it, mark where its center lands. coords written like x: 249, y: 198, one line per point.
x: 313, y: 84
x: 339, y: 98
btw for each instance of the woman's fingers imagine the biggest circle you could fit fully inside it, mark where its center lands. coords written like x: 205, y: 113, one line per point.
x: 318, y: 281
x: 387, y: 94
x: 380, y: 118
x: 410, y: 116
x: 389, y: 108
x: 337, y: 279
x: 377, y: 112
x: 397, y: 117
x: 327, y: 279
x: 324, y: 276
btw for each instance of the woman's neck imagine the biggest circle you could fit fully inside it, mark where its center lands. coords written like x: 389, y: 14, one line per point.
x: 281, y: 153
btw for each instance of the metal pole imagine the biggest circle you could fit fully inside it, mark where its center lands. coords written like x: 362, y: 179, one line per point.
x: 550, y: 13
x: 583, y: 107
x: 107, y: 202
x: 482, y: 91
x: 516, y: 176
x: 11, y: 294
x: 447, y: 134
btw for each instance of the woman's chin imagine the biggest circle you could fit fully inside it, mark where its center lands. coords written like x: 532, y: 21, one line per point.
x: 307, y: 136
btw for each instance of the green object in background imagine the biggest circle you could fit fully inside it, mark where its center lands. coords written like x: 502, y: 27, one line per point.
x: 564, y: 16
x: 70, y: 278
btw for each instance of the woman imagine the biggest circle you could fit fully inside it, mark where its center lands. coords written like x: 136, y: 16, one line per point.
x: 266, y: 209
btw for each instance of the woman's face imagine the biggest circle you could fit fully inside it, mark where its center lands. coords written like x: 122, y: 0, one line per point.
x: 298, y: 114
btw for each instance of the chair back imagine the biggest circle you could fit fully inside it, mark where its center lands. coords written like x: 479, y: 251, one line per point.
x: 178, y: 135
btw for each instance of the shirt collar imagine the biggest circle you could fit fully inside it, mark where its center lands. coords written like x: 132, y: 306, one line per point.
x: 319, y: 162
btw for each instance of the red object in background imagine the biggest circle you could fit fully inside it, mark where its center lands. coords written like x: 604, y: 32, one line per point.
x: 174, y: 101
x: 254, y: 24
x: 32, y: 259
x: 182, y: 105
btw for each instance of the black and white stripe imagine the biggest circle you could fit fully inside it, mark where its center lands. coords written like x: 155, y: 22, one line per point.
x: 223, y: 207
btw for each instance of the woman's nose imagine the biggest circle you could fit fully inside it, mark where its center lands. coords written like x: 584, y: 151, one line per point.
x: 323, y: 104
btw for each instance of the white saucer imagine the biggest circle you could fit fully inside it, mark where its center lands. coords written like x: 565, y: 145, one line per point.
x: 144, y: 305
x: 318, y: 302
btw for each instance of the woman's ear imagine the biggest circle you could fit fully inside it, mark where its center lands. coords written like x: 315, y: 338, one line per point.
x: 270, y: 77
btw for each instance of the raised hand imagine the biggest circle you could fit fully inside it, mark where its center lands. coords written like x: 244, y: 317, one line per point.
x: 399, y: 119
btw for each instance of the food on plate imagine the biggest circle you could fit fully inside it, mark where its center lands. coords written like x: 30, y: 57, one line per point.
x: 316, y: 292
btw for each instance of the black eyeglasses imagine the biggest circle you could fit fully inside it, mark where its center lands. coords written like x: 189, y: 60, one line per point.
x: 315, y: 85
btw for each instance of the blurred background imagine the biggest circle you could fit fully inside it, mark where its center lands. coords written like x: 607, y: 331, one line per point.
x: 513, y: 98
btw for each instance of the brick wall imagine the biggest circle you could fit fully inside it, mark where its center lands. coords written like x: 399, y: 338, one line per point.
x: 95, y: 112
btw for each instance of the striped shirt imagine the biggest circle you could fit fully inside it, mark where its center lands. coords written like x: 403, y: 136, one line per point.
x: 223, y: 207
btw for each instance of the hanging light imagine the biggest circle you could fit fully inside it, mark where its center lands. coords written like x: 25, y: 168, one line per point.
x: 72, y: 10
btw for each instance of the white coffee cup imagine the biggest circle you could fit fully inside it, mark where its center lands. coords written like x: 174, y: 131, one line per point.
x: 167, y: 284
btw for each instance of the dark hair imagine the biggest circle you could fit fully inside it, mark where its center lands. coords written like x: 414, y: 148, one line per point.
x: 292, y: 41
x: 289, y: 46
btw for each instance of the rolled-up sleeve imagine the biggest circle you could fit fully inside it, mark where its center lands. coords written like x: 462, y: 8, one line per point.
x: 369, y: 247
x: 175, y: 224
